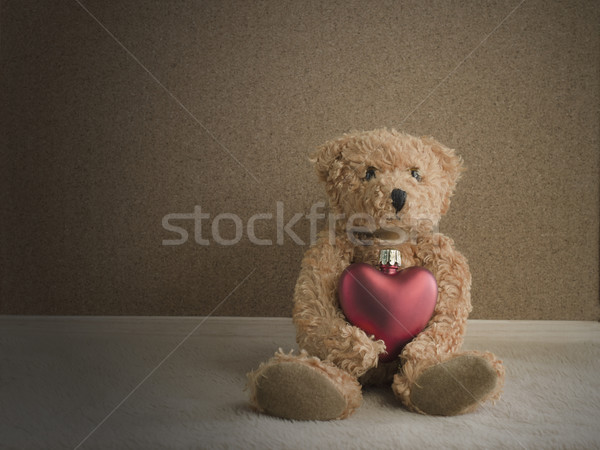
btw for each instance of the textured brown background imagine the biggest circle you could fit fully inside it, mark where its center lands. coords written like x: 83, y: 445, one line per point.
x: 218, y: 104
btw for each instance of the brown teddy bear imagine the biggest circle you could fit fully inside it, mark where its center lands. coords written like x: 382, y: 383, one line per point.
x: 388, y: 190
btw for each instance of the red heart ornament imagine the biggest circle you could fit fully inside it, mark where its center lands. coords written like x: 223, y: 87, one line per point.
x: 392, y: 307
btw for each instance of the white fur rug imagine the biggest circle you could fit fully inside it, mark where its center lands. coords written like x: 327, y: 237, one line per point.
x: 131, y: 382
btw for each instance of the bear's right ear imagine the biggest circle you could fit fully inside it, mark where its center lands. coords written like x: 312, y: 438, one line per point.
x: 326, y: 154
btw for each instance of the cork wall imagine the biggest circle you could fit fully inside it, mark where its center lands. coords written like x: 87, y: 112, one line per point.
x: 141, y: 138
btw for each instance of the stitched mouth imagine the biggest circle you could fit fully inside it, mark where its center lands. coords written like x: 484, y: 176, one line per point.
x: 393, y: 216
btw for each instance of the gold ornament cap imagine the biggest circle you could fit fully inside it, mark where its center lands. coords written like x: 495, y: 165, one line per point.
x: 390, y: 258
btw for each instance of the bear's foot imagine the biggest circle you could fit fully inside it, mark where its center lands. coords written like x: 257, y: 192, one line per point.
x: 303, y: 388
x: 454, y: 387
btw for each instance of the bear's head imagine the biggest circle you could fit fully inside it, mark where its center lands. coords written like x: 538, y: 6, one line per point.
x: 387, y: 180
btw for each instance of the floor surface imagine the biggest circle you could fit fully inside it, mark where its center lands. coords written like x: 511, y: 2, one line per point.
x: 157, y: 382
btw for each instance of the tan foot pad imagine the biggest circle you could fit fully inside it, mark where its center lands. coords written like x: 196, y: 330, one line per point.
x: 454, y: 387
x: 296, y: 391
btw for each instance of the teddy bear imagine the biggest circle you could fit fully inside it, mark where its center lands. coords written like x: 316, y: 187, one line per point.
x: 386, y: 190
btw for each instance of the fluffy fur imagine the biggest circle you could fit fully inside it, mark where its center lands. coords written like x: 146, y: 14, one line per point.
x: 360, y: 171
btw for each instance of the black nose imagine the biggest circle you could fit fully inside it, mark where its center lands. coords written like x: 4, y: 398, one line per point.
x: 398, y: 199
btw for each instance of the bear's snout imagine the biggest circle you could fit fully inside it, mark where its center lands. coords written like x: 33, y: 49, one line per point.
x: 398, y: 199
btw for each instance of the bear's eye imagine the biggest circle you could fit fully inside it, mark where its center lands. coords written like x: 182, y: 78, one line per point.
x: 415, y: 174
x: 370, y: 173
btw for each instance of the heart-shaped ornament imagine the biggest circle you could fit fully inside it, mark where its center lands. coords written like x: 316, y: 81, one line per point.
x: 392, y: 306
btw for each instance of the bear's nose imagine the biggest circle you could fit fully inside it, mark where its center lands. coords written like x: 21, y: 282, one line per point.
x: 398, y: 199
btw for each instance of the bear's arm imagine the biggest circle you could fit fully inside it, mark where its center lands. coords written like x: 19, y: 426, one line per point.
x: 321, y: 328
x: 445, y: 331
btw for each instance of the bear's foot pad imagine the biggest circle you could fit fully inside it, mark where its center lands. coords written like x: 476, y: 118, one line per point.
x: 454, y: 387
x: 296, y: 391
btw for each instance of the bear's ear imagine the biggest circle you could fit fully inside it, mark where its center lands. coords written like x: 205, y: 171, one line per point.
x: 326, y: 154
x: 451, y: 165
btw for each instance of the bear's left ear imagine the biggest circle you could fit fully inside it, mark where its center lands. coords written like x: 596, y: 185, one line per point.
x: 450, y: 163
x: 326, y: 154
